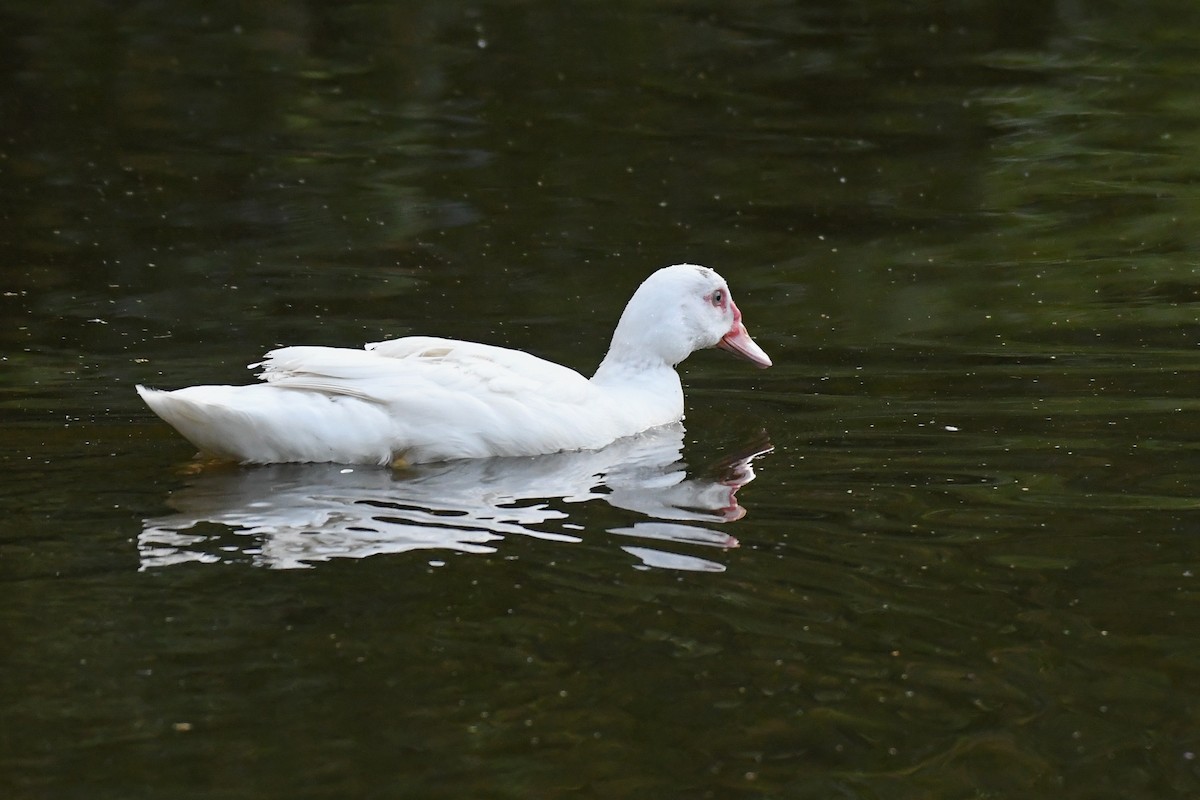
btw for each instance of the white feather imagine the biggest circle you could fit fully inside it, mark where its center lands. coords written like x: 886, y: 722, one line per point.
x: 427, y: 399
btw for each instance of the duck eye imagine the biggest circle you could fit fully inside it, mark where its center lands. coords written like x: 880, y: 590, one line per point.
x: 718, y: 298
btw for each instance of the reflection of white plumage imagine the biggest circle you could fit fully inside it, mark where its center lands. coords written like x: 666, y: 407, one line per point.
x: 292, y: 515
x: 421, y: 399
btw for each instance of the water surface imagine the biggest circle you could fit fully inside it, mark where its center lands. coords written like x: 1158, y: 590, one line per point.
x: 942, y: 549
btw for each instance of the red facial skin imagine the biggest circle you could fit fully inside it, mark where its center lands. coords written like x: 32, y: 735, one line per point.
x: 738, y: 340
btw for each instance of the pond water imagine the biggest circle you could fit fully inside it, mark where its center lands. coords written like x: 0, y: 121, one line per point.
x: 945, y: 547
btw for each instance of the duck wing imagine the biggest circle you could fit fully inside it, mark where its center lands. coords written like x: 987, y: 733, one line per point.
x: 387, y: 371
x: 495, y: 365
x: 446, y: 399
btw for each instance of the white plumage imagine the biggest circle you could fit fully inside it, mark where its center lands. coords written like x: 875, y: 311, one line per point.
x: 421, y: 399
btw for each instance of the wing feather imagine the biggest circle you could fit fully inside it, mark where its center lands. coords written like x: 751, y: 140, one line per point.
x: 388, y: 371
x: 487, y: 358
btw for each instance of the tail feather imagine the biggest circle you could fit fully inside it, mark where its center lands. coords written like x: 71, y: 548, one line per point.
x: 266, y: 424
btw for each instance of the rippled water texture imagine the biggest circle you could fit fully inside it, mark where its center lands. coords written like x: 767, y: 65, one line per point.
x: 943, y: 548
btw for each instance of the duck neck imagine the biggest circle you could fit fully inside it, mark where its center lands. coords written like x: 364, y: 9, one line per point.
x: 651, y: 389
x: 638, y: 380
x: 628, y: 358
x: 643, y: 353
x: 617, y: 370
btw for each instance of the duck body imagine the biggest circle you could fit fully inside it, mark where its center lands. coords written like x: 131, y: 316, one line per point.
x: 421, y: 399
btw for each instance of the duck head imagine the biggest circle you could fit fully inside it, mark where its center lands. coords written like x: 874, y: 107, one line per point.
x: 678, y: 310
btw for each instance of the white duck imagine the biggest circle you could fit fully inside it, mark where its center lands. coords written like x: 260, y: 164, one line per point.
x: 421, y: 399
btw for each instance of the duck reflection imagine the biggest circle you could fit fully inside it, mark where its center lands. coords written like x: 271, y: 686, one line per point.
x: 288, y: 516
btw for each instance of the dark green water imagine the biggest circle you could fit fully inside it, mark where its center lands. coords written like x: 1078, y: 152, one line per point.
x: 966, y: 234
